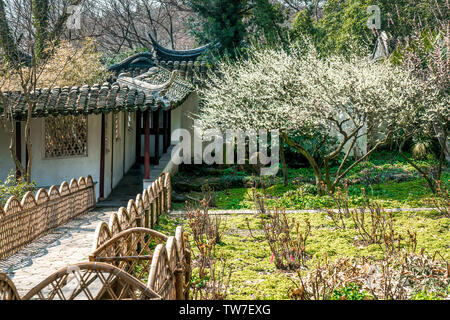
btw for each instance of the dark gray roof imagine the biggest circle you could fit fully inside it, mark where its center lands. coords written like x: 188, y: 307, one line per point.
x: 139, y: 63
x: 135, y: 64
x: 164, y: 54
x: 101, y: 98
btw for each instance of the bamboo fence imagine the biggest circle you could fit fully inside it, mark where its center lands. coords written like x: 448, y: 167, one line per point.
x: 91, y: 281
x: 8, y: 290
x: 144, y: 211
x: 126, y: 253
x: 23, y: 221
x: 161, y: 261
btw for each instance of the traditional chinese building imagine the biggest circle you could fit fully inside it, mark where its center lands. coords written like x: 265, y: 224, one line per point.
x: 104, y: 130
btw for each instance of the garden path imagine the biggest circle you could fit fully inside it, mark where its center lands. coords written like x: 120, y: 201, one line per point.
x: 245, y: 211
x: 68, y: 244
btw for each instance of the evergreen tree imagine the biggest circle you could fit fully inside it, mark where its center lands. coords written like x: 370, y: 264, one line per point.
x: 231, y: 23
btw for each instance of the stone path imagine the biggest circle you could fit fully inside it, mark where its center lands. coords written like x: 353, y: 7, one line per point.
x: 63, y: 246
x: 243, y: 211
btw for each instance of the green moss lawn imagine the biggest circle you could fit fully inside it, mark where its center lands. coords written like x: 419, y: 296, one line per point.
x: 255, y: 277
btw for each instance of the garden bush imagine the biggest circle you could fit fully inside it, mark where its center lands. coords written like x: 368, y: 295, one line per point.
x: 399, y: 276
x: 13, y: 186
x: 211, y: 276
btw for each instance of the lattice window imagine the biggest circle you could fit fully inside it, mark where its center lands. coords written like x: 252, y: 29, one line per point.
x: 65, y: 136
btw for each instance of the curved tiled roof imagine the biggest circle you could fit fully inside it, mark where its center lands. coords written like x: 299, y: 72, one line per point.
x: 135, y: 64
x: 101, y: 98
x: 139, y: 63
x: 171, y: 87
x: 165, y: 54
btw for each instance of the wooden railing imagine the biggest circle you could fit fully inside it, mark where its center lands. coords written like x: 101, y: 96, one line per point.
x: 127, y: 241
x: 156, y: 266
x: 23, y: 221
x: 143, y: 211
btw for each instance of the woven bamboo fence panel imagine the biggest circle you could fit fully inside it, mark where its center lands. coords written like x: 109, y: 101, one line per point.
x: 143, y: 211
x: 23, y: 221
x: 129, y: 243
x: 91, y: 281
x: 184, y: 254
x: 167, y: 271
x: 7, y: 288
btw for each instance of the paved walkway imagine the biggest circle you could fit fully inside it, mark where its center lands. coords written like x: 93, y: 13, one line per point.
x: 132, y: 183
x: 63, y: 246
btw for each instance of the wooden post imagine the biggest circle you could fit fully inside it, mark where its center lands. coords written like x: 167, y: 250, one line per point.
x: 152, y: 215
x: 163, y: 200
x: 102, y: 160
x: 147, y: 145
x: 147, y: 217
x: 156, y: 130
x: 187, y: 277
x: 179, y: 285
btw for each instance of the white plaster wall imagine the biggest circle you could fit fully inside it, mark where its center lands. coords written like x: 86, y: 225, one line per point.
x: 175, y: 120
x: 130, y: 143
x: 189, y: 108
x: 47, y: 172
x: 361, y: 142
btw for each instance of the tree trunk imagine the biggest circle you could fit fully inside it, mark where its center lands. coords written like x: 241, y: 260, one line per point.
x: 444, y: 142
x: 311, y: 161
x: 424, y: 174
x: 329, y: 184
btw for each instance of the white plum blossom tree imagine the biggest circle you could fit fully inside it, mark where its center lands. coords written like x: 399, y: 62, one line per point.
x: 295, y: 90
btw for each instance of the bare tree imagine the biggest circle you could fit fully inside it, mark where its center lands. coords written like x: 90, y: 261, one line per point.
x: 134, y: 20
x: 30, y: 33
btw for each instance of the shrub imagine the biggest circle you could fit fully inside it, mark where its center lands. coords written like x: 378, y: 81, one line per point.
x: 349, y: 292
x: 441, y: 200
x: 286, y: 241
x: 209, y: 194
x: 397, y: 276
x: 14, y: 187
x: 212, y: 275
x: 373, y: 223
x: 215, y: 281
